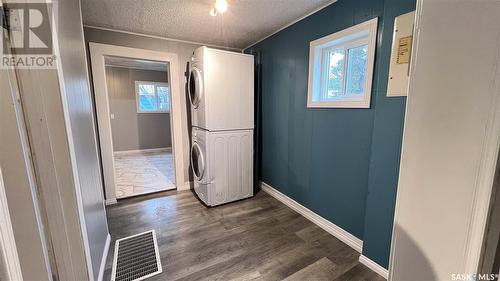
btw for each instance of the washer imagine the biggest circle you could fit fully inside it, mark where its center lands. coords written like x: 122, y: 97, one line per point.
x: 221, y: 90
x: 199, y: 164
x: 222, y: 164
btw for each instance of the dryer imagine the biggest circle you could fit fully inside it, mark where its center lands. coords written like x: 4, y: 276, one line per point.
x: 222, y: 164
x: 221, y: 90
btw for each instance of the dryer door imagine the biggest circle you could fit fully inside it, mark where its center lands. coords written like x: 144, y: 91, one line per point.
x: 195, y: 87
x: 197, y: 161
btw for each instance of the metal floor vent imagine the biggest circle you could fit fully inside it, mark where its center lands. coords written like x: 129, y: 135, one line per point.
x: 136, y: 257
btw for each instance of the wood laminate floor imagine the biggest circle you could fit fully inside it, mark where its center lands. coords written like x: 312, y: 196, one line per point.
x: 255, y: 239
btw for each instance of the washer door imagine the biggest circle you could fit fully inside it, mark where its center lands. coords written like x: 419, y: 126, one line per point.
x: 197, y: 161
x: 195, y: 87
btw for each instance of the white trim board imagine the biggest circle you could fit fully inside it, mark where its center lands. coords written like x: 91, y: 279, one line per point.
x: 380, y: 270
x: 161, y: 37
x: 338, y: 232
x: 104, y: 257
x: 180, y: 147
x: 160, y: 149
x: 186, y: 186
x: 364, y: 33
x: 111, y: 201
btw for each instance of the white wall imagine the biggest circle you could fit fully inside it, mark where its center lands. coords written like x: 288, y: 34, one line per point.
x: 450, y: 140
x: 19, y: 187
x: 62, y: 203
x: 81, y: 131
x: 57, y: 110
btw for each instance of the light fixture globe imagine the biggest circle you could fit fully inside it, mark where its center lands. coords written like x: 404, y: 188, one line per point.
x: 221, y: 6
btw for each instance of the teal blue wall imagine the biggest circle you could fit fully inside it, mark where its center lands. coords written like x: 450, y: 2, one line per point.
x: 340, y: 163
x: 385, y: 149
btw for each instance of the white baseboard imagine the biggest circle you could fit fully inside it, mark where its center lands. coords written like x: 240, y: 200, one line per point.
x: 380, y: 270
x: 125, y: 152
x: 110, y: 201
x: 328, y: 226
x: 104, y: 257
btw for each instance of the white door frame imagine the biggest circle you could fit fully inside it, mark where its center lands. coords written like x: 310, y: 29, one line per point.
x: 97, y: 53
x: 486, y: 166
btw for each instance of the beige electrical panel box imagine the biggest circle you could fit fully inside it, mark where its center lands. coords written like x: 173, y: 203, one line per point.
x: 401, y: 55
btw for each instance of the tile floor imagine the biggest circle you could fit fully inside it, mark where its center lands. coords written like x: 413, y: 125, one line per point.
x: 143, y: 172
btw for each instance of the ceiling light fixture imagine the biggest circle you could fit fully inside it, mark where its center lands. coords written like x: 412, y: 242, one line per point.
x: 213, y: 12
x: 219, y: 7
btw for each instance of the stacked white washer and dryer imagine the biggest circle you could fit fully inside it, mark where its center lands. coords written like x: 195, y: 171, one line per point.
x: 221, y: 90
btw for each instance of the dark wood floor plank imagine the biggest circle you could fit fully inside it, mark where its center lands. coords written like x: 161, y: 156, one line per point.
x: 254, y: 239
x: 360, y: 273
x: 249, y: 260
x: 323, y: 269
x: 253, y: 276
x: 287, y: 263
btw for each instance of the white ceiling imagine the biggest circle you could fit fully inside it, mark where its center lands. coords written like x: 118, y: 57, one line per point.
x: 245, y: 22
x: 136, y: 63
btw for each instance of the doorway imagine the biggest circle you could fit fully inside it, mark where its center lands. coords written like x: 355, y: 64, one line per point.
x: 138, y: 103
x: 139, y: 106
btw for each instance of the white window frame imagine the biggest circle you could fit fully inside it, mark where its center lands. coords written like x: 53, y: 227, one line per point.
x: 361, y: 34
x: 156, y: 84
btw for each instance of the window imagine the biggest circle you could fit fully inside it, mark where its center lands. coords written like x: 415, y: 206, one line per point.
x: 341, y: 67
x: 152, y: 97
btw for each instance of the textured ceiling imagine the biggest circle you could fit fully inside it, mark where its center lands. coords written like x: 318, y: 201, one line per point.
x: 245, y: 22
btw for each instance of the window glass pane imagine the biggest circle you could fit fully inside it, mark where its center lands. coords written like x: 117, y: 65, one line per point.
x: 335, y: 68
x: 147, y: 97
x: 356, y: 70
x: 163, y: 100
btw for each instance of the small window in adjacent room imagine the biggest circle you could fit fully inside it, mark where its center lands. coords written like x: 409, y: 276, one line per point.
x: 341, y: 67
x: 152, y: 97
